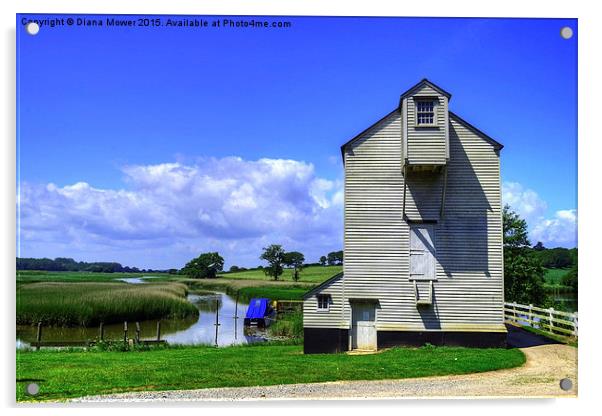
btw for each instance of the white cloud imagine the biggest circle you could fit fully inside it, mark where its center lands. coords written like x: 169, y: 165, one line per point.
x: 559, y: 230
x: 230, y: 204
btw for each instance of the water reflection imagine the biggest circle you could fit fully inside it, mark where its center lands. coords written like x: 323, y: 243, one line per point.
x: 190, y: 331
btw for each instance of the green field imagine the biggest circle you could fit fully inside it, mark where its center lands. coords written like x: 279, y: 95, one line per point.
x: 32, y: 276
x: 89, y: 303
x: 553, y: 276
x: 312, y: 274
x: 62, y: 375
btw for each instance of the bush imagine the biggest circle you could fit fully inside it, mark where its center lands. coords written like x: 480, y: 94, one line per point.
x: 288, y: 325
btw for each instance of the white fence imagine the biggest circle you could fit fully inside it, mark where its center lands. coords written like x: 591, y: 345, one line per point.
x: 549, y: 320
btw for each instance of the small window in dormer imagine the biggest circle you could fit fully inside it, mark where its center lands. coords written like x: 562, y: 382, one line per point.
x: 323, y: 302
x: 425, y: 112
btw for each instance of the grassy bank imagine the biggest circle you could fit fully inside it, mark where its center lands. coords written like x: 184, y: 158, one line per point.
x: 87, y: 303
x: 62, y: 375
x: 311, y: 274
x: 248, y: 289
x: 553, y: 278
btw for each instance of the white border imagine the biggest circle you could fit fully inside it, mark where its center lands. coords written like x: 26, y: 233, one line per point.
x: 590, y: 31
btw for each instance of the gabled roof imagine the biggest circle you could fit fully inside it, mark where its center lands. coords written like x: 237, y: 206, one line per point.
x: 357, y: 136
x: 422, y: 83
x: 495, y: 143
x: 322, y: 285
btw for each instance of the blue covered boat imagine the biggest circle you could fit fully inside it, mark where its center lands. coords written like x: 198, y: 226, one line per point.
x: 260, y: 312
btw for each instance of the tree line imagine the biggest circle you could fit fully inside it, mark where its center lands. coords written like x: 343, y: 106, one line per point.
x: 524, y: 265
x: 65, y: 264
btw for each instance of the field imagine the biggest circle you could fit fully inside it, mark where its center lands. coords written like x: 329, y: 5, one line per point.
x: 311, y: 274
x: 89, y: 303
x: 553, y: 276
x: 32, y: 276
x: 204, y: 367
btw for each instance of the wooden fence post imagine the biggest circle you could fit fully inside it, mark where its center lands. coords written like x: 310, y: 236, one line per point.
x: 39, y: 336
x: 137, y: 333
x: 514, y: 311
x: 158, y: 331
x: 101, y: 332
x: 575, y: 324
x: 125, y: 332
x: 216, y: 320
x: 551, y: 314
x: 530, y: 316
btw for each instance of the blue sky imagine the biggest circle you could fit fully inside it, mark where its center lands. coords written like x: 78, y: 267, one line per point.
x: 108, y: 116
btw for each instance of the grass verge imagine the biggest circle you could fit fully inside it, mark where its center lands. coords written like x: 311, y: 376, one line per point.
x: 87, y: 303
x: 63, y: 375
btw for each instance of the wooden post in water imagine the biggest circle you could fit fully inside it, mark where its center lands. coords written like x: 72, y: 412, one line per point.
x: 216, y: 319
x: 158, y: 331
x: 137, y: 333
x: 39, y: 336
x: 101, y: 332
x: 125, y: 332
x: 236, y: 306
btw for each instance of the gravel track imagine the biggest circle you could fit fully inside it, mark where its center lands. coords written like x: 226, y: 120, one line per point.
x: 547, y: 363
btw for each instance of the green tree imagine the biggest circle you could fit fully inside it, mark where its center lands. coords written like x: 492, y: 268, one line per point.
x: 207, y: 265
x: 274, y: 255
x: 523, y: 274
x: 295, y: 260
x: 323, y: 260
x: 539, y: 246
x: 335, y: 258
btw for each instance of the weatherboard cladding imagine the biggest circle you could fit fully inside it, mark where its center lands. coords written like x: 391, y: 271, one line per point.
x: 468, y: 291
x: 426, y: 145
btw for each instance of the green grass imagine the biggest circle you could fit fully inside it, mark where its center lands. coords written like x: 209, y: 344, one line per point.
x: 553, y: 276
x: 274, y: 293
x: 62, y: 375
x: 313, y: 274
x: 32, y: 276
x: 88, y: 303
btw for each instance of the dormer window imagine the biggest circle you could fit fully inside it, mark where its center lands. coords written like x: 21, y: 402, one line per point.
x: 425, y: 112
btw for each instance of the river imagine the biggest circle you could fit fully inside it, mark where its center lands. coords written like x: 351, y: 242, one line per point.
x: 192, y: 331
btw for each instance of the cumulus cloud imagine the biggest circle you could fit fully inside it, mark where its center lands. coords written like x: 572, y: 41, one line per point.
x: 559, y: 230
x: 229, y: 204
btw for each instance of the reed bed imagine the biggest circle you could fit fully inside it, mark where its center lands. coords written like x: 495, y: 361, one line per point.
x: 90, y: 303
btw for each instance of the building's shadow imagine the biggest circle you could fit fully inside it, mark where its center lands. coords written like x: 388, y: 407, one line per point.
x: 520, y: 338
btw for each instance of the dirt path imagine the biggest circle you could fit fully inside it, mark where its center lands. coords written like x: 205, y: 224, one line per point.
x: 547, y: 363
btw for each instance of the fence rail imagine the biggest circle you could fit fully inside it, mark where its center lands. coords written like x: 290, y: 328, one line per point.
x: 548, y: 320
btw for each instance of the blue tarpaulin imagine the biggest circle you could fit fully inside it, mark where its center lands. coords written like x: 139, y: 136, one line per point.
x: 257, y: 308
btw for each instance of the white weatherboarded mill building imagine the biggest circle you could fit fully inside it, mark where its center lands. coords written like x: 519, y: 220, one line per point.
x: 423, y: 256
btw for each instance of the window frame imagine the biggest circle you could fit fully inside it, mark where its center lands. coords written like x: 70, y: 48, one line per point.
x: 328, y: 298
x: 417, y: 101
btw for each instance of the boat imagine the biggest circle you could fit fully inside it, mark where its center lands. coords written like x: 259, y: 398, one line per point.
x: 260, y: 312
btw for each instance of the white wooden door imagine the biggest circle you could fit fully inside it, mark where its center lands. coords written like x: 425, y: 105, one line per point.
x: 363, y: 326
x: 422, y: 252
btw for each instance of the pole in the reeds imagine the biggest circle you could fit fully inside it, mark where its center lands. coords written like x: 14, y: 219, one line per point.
x: 158, y: 331
x: 137, y: 333
x: 101, y: 332
x: 236, y: 306
x: 216, y: 320
x: 125, y: 332
x: 39, y: 336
